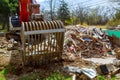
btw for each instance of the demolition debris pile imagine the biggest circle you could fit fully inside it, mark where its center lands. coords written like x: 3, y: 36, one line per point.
x: 9, y: 45
x: 86, y: 42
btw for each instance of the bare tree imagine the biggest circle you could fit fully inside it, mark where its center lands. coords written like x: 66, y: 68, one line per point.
x: 118, y: 4
x: 81, y: 14
x: 51, y: 9
x: 52, y: 4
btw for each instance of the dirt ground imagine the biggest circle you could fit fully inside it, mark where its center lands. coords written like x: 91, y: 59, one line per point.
x: 12, y: 59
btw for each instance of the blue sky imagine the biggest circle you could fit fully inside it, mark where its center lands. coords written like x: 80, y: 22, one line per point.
x: 86, y: 3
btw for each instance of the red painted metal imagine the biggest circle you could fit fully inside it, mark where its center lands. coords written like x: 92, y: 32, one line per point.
x: 24, y: 10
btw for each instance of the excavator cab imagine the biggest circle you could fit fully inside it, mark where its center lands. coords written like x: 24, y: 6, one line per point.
x: 14, y: 22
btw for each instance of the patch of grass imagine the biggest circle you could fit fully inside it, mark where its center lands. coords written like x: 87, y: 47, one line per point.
x: 3, y: 73
x: 98, y: 26
x: 54, y: 76
x: 102, y: 26
x: 2, y: 77
x: 33, y: 76
x: 58, y: 76
x: 1, y: 28
x: 114, y: 78
x: 101, y: 77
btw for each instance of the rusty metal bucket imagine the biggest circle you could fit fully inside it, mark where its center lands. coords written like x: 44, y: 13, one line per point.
x: 42, y: 41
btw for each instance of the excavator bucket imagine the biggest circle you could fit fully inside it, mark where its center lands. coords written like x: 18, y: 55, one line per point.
x: 42, y: 41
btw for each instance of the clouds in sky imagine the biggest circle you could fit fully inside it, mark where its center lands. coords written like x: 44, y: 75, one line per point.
x: 39, y: 1
x: 73, y: 3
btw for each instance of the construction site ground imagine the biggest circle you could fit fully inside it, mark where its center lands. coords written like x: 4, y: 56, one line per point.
x: 11, y: 60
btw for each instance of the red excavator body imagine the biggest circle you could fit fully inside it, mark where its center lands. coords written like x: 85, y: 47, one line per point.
x: 26, y: 10
x: 29, y: 10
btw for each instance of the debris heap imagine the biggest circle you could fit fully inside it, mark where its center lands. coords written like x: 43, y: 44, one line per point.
x: 86, y: 42
x: 9, y: 45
